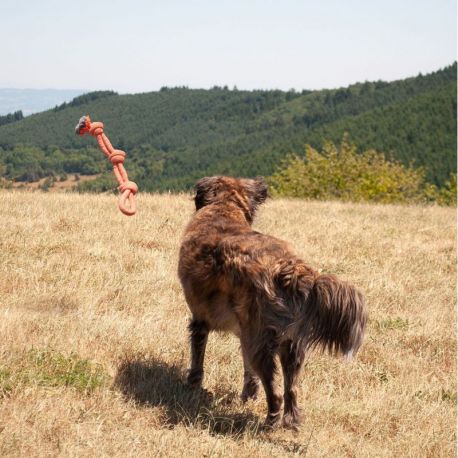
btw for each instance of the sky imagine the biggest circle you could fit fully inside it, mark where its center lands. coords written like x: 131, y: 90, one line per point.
x: 139, y: 45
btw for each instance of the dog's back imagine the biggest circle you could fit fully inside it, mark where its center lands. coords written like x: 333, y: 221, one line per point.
x: 227, y: 269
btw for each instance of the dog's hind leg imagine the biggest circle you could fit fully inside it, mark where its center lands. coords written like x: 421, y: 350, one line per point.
x: 250, y: 379
x: 262, y: 360
x: 199, y: 335
x: 291, y: 358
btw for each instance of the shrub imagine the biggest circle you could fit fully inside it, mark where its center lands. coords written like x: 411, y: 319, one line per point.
x: 445, y: 195
x: 342, y: 173
x: 47, y: 183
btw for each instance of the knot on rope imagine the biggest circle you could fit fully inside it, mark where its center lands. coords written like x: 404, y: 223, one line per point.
x: 117, y: 157
x: 128, y: 188
x: 96, y: 130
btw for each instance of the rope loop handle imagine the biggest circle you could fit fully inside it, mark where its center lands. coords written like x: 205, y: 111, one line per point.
x: 127, y: 188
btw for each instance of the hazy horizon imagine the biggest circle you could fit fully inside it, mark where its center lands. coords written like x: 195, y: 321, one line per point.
x: 82, y: 91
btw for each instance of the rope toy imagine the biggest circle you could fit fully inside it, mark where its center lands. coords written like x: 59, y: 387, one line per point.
x: 127, y: 188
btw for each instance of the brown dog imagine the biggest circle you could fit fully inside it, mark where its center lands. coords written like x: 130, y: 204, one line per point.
x: 236, y: 279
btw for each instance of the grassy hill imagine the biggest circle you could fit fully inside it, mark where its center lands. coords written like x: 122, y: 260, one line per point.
x: 94, y: 343
x: 175, y: 136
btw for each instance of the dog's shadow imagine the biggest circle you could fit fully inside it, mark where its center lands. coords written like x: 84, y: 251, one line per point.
x: 154, y: 383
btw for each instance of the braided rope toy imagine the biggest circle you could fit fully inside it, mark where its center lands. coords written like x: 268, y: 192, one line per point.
x: 127, y: 188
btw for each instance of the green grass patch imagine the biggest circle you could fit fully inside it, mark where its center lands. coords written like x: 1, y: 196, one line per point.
x: 52, y: 369
x: 392, y: 323
x: 6, y: 384
x: 448, y: 395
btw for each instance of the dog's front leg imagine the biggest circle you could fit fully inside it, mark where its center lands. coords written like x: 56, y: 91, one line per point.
x: 199, y: 335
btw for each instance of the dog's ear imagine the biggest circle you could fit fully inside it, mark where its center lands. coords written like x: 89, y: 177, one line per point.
x: 260, y: 190
x: 256, y: 192
x: 205, y: 191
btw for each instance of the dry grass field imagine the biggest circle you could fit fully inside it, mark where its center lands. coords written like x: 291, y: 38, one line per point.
x: 93, y: 340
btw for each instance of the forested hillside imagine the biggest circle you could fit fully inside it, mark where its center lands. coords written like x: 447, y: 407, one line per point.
x: 174, y: 136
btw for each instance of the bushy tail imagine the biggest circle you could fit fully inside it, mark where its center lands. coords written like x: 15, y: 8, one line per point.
x: 336, y: 316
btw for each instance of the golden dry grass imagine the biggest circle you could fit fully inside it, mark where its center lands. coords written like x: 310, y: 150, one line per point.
x: 94, y: 346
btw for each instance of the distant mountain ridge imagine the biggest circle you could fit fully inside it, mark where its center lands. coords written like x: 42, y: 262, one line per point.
x: 34, y: 100
x: 176, y: 135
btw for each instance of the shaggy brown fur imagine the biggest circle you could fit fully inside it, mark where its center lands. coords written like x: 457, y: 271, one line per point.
x: 236, y: 279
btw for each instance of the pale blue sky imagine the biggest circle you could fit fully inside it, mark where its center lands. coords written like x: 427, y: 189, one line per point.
x: 140, y: 45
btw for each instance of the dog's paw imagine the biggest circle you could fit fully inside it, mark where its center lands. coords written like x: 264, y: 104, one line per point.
x: 291, y: 421
x: 272, y: 422
x: 246, y: 396
x: 250, y: 391
x: 194, y: 379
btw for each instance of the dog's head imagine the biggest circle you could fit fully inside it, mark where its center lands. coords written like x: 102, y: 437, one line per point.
x: 247, y: 193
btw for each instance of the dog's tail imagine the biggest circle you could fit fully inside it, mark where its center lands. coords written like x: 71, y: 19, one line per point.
x: 335, y: 316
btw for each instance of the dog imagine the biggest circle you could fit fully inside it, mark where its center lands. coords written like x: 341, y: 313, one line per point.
x: 238, y: 280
